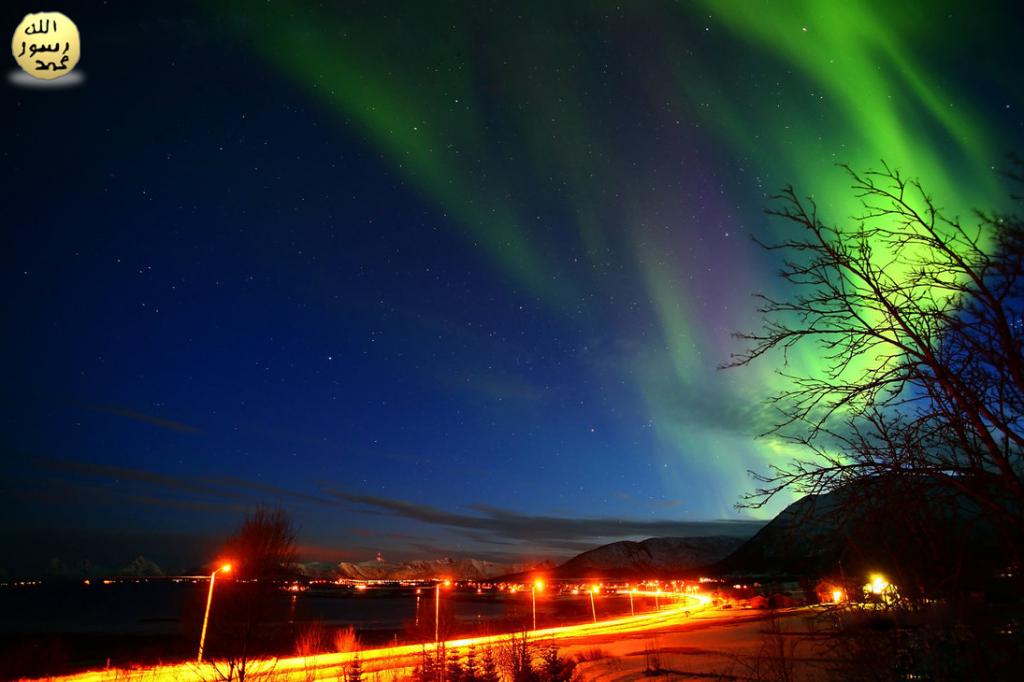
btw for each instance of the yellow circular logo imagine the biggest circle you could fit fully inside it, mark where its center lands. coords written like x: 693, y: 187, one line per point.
x: 46, y: 45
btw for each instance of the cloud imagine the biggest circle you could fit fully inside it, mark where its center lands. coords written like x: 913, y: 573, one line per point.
x: 206, y: 489
x: 313, y: 551
x: 500, y: 526
x: 482, y: 529
x: 409, y: 537
x: 61, y: 492
x: 168, y: 424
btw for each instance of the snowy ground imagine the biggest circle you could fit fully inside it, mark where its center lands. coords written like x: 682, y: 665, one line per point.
x: 744, y: 645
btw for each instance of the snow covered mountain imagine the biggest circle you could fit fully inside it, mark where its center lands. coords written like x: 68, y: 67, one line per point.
x: 141, y: 567
x: 455, y: 569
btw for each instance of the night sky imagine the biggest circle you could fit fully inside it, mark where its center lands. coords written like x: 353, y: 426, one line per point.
x: 438, y: 278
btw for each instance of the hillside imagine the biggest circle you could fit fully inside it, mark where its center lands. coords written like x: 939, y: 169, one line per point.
x: 805, y: 538
x: 652, y: 557
x: 873, y: 525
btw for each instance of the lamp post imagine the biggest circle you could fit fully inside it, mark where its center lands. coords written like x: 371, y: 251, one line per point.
x: 631, y: 612
x: 437, y: 609
x: 593, y: 609
x: 206, y: 616
x: 537, y: 585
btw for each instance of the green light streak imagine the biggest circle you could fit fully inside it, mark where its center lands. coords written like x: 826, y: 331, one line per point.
x: 429, y: 135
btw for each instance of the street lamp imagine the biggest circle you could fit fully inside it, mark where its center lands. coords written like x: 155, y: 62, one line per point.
x: 593, y: 609
x: 437, y: 608
x: 631, y: 593
x: 538, y: 585
x: 206, y: 616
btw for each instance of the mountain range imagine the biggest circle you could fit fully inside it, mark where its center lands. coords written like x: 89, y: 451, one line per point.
x: 874, y: 524
x: 454, y: 569
x: 652, y: 557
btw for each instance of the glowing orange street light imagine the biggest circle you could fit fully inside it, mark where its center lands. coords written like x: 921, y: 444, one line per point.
x: 593, y: 609
x: 538, y: 585
x: 206, y: 616
x: 437, y: 608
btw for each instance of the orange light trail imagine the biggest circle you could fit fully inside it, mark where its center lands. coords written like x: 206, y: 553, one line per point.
x: 333, y: 666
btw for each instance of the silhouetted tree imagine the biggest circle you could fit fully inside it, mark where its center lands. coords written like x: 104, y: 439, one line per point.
x: 435, y: 664
x: 426, y: 669
x: 517, y: 658
x: 555, y: 668
x: 261, y: 552
x: 472, y: 670
x: 264, y: 547
x: 454, y: 671
x: 355, y: 671
x: 489, y: 667
x: 918, y: 320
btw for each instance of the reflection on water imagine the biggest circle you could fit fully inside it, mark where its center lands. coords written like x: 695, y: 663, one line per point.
x: 157, y: 607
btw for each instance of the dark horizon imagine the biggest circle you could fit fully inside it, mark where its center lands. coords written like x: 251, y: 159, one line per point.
x: 69, y: 553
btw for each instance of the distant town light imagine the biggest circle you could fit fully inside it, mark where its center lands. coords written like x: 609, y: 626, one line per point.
x: 880, y: 588
x: 878, y: 584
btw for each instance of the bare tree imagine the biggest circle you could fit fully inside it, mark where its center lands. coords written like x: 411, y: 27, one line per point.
x: 919, y: 322
x: 517, y: 654
x: 262, y: 549
x: 264, y: 546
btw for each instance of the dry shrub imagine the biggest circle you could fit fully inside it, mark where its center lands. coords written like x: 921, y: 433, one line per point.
x: 591, y: 654
x: 516, y: 656
x: 346, y: 640
x: 312, y: 640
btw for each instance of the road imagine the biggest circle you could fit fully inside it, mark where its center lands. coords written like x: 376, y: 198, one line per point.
x: 399, y: 658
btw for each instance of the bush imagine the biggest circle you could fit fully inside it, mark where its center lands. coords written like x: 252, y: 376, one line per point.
x: 346, y: 640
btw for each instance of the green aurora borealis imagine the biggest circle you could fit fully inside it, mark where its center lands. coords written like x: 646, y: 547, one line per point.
x: 599, y: 153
